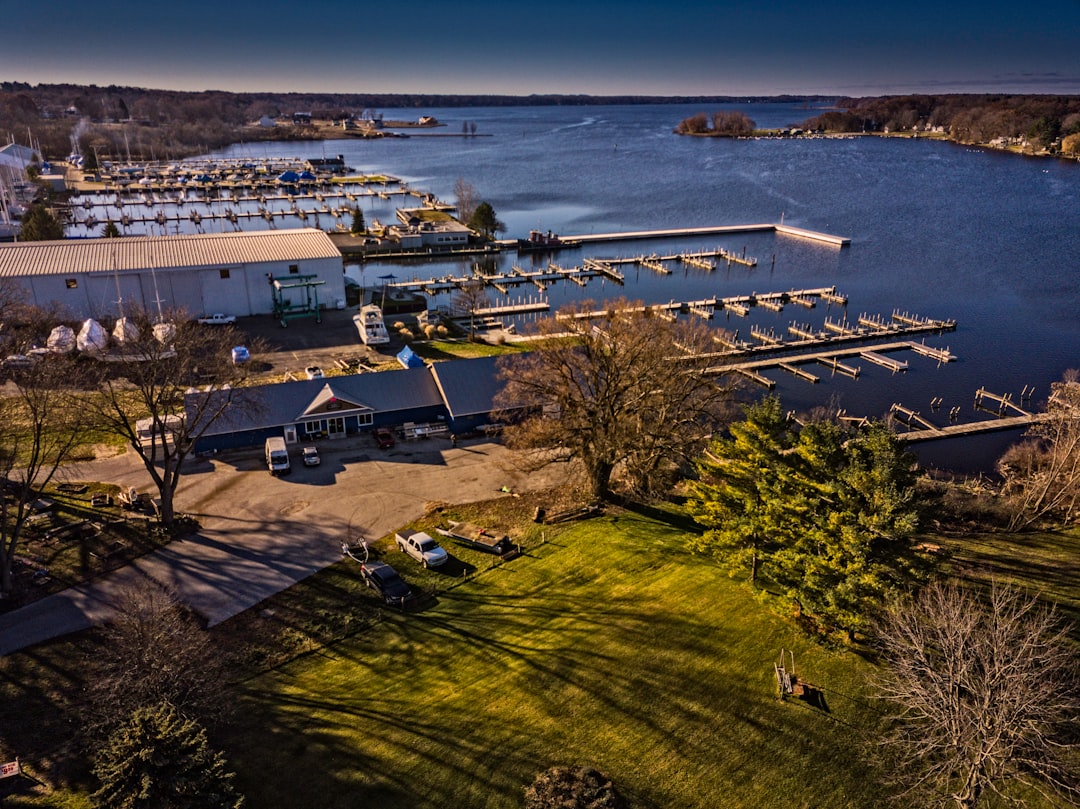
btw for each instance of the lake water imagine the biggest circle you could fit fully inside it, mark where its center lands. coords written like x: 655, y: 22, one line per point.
x: 940, y: 230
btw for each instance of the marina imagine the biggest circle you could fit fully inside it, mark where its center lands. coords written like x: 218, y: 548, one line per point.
x: 831, y: 359
x: 225, y: 202
x: 905, y: 260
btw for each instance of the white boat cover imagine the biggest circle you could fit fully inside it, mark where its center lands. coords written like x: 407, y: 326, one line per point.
x: 165, y: 333
x: 61, y: 340
x: 125, y: 331
x: 92, y: 337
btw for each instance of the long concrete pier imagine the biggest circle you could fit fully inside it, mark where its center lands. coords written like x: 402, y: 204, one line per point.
x: 717, y: 230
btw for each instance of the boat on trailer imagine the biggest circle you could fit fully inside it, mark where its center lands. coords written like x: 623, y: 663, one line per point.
x: 369, y: 323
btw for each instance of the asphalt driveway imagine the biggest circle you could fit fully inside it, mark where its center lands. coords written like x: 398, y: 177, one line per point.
x: 260, y: 534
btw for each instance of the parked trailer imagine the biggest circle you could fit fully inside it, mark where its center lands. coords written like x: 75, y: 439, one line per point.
x: 476, y: 537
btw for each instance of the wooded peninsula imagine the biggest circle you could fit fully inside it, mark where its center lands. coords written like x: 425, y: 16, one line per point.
x: 1031, y: 124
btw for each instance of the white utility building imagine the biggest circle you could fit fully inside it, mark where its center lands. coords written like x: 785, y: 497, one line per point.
x: 219, y: 272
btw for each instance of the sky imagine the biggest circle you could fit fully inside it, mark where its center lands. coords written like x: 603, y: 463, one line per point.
x: 507, y: 47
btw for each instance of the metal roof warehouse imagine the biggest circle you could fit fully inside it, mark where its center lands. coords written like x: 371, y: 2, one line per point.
x: 228, y: 272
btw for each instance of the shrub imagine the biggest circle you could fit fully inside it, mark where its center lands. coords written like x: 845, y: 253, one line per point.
x: 573, y: 788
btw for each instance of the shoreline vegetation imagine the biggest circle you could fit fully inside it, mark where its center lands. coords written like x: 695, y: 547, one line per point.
x: 1029, y: 125
x: 146, y: 124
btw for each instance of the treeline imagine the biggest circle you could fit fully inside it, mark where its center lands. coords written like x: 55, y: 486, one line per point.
x: 725, y: 124
x: 166, y: 124
x: 1039, y: 123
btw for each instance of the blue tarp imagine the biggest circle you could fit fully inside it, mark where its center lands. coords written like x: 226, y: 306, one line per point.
x: 288, y: 177
x: 306, y: 175
x: 409, y: 358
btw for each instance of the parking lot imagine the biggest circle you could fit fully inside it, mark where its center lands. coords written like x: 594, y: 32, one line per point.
x: 305, y: 342
x: 259, y: 534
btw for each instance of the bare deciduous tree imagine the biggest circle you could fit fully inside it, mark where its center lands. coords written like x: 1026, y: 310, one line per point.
x: 38, y: 432
x: 1042, y: 474
x: 468, y: 300
x: 467, y: 199
x: 626, y: 392
x: 154, y: 652
x: 149, y: 383
x: 983, y: 695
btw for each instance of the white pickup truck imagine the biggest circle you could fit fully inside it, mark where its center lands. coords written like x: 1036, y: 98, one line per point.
x: 422, y: 548
x: 217, y: 319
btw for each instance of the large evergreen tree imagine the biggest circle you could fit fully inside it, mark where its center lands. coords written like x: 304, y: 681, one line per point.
x: 39, y: 225
x: 160, y: 760
x: 738, y: 491
x: 484, y: 221
x: 826, y: 517
x: 358, y: 227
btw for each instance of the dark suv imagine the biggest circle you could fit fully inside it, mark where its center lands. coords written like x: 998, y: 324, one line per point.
x: 384, y: 579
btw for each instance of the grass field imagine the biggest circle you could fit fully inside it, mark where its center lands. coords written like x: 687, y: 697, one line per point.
x: 460, y: 349
x: 1047, y: 563
x: 608, y: 646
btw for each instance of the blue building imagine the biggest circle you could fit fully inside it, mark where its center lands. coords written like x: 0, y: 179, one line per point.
x: 458, y: 395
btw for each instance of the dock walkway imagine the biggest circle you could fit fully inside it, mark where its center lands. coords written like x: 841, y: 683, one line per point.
x: 715, y: 230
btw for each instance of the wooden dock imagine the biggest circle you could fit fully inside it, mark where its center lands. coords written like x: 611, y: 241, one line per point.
x: 972, y: 428
x: 1004, y: 402
x: 755, y: 377
x: 839, y: 367
x: 911, y: 416
x: 797, y: 371
x: 737, y: 355
x: 653, y: 263
x: 939, y: 354
x: 738, y: 303
x: 520, y: 308
x: 883, y: 361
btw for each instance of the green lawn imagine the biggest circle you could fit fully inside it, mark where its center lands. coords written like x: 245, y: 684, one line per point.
x: 608, y: 645
x: 1047, y: 563
x: 460, y: 349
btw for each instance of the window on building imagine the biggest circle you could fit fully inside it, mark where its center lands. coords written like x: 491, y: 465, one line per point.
x: 294, y: 269
x: 364, y: 419
x: 224, y: 274
x: 72, y: 283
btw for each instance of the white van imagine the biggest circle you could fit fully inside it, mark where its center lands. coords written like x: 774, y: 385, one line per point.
x: 277, y: 456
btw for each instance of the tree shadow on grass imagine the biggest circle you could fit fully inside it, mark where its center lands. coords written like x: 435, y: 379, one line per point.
x: 666, y: 514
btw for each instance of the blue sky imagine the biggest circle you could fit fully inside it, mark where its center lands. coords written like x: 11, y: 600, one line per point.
x: 644, y: 47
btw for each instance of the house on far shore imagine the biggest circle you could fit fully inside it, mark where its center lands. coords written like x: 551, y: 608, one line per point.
x: 267, y: 122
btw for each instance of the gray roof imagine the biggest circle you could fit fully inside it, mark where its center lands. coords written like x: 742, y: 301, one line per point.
x: 277, y: 405
x: 469, y: 386
x: 189, y: 251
